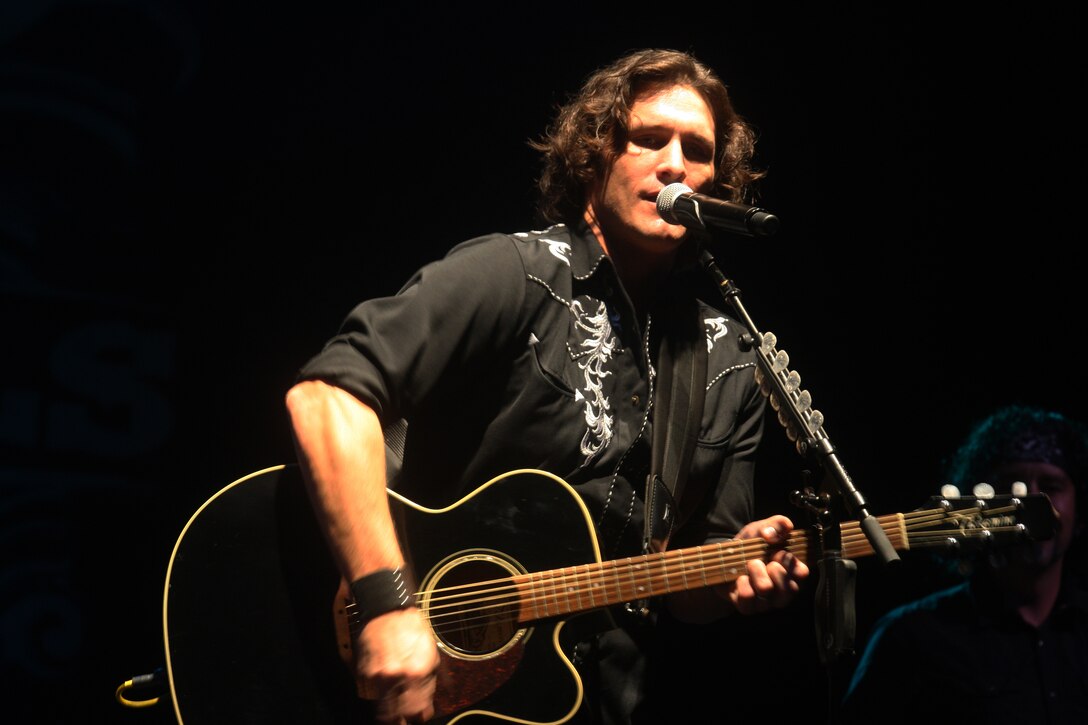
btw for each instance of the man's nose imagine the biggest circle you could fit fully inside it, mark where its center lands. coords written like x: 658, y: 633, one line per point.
x: 673, y: 163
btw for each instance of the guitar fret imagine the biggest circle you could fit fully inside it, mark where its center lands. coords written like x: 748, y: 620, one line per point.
x: 636, y: 588
x: 549, y: 593
x: 618, y: 596
x: 569, y: 589
x: 728, y: 570
x: 557, y: 588
x: 594, y: 578
x: 702, y: 569
x: 544, y: 593
x: 536, y: 598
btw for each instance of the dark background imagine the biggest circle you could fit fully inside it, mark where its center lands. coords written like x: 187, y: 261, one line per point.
x: 192, y: 195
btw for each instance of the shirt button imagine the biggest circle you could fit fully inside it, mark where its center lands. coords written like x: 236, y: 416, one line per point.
x: 634, y: 399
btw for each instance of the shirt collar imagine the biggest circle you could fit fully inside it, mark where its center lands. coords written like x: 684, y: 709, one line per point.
x: 586, y: 255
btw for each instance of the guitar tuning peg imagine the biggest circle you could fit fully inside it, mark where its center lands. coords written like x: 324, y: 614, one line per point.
x: 983, y: 490
x: 769, y: 341
x: 815, y: 419
x: 781, y: 361
x: 1019, y: 488
x: 804, y: 400
x: 949, y: 491
x: 793, y: 381
x: 775, y: 402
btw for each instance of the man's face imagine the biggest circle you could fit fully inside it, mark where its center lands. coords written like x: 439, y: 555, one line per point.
x: 670, y: 139
x: 1056, y: 484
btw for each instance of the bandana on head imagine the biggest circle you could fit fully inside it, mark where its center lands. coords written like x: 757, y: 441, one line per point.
x: 1021, y: 434
x: 1033, y: 446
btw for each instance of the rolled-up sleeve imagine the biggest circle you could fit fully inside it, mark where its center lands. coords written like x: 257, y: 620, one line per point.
x: 393, y: 352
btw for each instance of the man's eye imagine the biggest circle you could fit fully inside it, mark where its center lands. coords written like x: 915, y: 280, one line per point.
x: 646, y: 142
x: 699, y: 153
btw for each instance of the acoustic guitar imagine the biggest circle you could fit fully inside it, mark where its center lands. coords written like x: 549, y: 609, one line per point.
x: 258, y: 622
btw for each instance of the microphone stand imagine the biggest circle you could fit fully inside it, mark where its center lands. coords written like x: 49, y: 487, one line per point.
x: 835, y: 618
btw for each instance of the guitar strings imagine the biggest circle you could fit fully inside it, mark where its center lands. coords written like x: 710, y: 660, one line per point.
x: 658, y: 574
x: 527, y: 597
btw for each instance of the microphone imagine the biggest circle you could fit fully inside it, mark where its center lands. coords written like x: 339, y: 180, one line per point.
x: 678, y: 204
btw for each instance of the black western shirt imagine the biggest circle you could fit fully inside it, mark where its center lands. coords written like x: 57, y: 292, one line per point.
x: 522, y: 350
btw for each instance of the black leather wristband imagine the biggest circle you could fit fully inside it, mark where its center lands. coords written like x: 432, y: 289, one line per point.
x: 377, y: 593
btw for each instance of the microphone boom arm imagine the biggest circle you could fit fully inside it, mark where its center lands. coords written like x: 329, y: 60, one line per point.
x: 804, y: 425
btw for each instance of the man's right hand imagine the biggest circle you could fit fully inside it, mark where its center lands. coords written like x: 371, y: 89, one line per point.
x: 396, y: 659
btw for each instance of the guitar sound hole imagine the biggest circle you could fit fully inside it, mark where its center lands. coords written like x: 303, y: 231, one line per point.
x: 473, y: 606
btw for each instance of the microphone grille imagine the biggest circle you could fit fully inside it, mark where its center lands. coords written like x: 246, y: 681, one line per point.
x: 667, y: 197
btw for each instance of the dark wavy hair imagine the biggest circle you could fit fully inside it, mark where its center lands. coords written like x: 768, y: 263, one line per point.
x: 590, y: 131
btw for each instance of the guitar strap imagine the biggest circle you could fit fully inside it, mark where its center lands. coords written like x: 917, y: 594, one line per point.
x: 395, y: 434
x: 677, y: 416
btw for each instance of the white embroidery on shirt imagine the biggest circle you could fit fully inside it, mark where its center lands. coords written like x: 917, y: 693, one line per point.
x: 727, y: 371
x: 600, y: 344
x: 559, y: 250
x: 715, y: 329
x: 538, y: 232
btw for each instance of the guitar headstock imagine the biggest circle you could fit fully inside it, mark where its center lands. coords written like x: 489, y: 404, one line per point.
x: 959, y: 522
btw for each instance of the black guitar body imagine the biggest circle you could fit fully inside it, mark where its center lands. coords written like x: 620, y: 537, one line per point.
x: 248, y: 612
x: 251, y: 590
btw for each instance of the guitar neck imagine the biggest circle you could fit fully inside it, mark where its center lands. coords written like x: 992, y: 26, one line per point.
x: 581, y: 588
x: 575, y: 589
